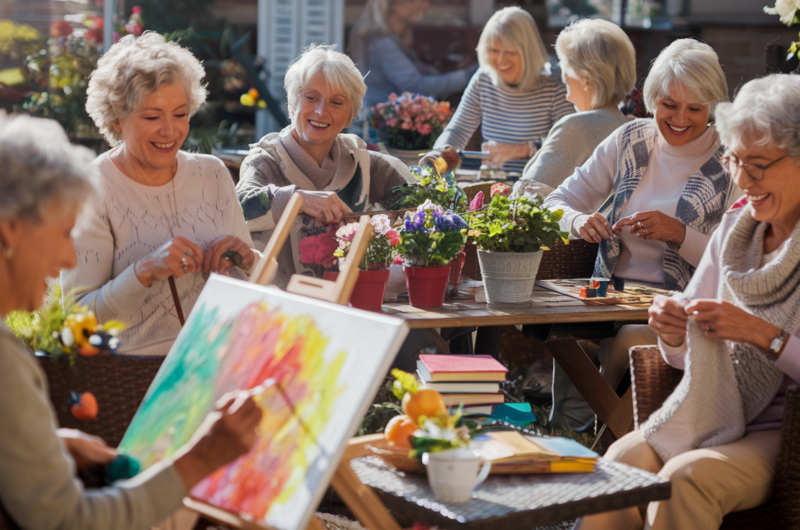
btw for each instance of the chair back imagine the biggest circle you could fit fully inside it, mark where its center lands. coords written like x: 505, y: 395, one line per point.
x: 652, y: 381
x: 119, y: 382
x: 575, y: 260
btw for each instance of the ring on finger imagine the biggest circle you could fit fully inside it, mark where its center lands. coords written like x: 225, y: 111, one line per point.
x: 183, y: 263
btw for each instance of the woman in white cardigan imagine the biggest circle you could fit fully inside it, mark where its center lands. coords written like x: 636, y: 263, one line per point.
x: 668, y: 191
x: 735, y: 331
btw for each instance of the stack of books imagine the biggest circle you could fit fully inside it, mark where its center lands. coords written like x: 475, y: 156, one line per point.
x: 512, y: 452
x: 471, y: 380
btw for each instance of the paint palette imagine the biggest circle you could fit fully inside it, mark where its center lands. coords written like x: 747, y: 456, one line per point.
x: 320, y: 365
x: 633, y: 294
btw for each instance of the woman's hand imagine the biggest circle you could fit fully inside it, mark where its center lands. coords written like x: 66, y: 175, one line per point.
x: 668, y: 319
x: 593, y: 227
x: 85, y: 448
x: 174, y: 258
x: 501, y: 153
x: 326, y: 206
x: 226, y: 434
x: 654, y: 225
x: 725, y: 321
x: 214, y: 262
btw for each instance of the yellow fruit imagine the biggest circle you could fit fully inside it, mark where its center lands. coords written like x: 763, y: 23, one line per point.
x: 398, y: 430
x: 426, y: 402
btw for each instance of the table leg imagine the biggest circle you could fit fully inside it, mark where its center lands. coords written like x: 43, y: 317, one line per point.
x: 612, y: 410
x: 487, y: 341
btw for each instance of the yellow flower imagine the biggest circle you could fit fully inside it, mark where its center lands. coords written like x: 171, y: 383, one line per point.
x: 82, y: 325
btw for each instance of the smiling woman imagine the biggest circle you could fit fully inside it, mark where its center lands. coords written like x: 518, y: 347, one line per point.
x: 167, y: 216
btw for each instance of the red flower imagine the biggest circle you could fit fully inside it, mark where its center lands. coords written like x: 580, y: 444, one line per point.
x: 318, y: 250
x: 308, y: 250
x: 60, y: 28
x: 393, y: 237
x: 500, y: 188
x: 398, y: 260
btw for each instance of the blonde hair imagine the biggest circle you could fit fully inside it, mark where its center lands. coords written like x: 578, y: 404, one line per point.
x: 514, y: 28
x: 338, y: 69
x: 600, y: 52
x: 692, y: 65
x: 134, y: 68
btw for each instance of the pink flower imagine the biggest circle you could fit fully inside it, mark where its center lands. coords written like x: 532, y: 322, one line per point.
x: 393, y: 237
x: 425, y: 129
x: 406, y: 125
x: 398, y: 260
x: 308, y: 250
x: 136, y: 10
x: 500, y: 188
x: 477, y: 202
x: 134, y: 28
x: 391, y: 122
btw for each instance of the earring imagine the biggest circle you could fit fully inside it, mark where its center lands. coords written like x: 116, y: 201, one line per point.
x: 8, y: 253
x: 586, y: 88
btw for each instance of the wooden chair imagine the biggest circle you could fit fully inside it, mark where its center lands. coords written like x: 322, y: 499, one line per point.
x: 653, y: 380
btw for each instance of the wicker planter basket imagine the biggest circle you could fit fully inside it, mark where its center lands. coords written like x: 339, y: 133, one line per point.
x: 575, y: 260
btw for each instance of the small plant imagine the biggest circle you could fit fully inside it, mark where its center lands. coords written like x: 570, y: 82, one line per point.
x: 520, y: 224
x: 431, y: 236
x: 429, y: 185
x: 410, y: 121
x: 380, y: 250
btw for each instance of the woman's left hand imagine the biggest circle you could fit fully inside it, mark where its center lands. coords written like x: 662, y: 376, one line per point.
x: 501, y: 153
x: 725, y: 321
x: 85, y: 448
x: 213, y: 261
x: 654, y: 225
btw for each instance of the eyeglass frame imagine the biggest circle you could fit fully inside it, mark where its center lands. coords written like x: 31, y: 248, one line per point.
x: 728, y: 158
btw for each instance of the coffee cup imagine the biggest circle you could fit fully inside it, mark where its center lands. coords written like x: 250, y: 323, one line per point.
x: 454, y: 473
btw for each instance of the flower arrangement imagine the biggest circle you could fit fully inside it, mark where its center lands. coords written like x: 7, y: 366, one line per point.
x: 431, y: 236
x: 380, y: 250
x: 429, y: 185
x: 520, y: 224
x: 410, y: 121
x: 316, y: 251
x: 787, y: 11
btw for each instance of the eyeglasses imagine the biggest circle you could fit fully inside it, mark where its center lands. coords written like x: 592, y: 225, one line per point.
x: 754, y: 171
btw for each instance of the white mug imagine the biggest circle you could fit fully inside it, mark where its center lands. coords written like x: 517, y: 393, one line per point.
x: 454, y: 473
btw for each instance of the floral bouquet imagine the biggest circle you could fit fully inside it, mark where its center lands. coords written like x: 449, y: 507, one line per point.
x: 410, y: 121
x: 431, y: 236
x: 431, y: 186
x: 787, y: 11
x: 380, y: 250
x: 317, y: 249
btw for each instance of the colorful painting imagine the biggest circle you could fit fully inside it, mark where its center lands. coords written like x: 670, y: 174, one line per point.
x: 327, y: 362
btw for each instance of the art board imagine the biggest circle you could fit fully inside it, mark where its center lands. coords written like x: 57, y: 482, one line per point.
x: 329, y: 361
x: 634, y: 293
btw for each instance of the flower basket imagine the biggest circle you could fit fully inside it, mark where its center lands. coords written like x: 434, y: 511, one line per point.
x: 410, y: 121
x: 426, y: 285
x: 369, y: 290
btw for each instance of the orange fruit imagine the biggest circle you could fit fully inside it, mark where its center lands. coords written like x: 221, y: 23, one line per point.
x: 399, y: 429
x: 84, y: 407
x: 426, y: 402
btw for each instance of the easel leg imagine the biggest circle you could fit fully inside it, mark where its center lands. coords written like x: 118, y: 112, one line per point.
x: 361, y: 500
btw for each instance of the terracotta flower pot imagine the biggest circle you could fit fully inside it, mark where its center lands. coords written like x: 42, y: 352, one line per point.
x: 455, y: 269
x: 426, y: 285
x: 369, y: 290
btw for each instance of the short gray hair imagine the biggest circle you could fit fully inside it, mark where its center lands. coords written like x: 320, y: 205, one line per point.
x: 41, y: 169
x: 600, y: 52
x: 134, y: 68
x: 514, y: 27
x: 693, y: 65
x: 767, y: 109
x: 338, y: 69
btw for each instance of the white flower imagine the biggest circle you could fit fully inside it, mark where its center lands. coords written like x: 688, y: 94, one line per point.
x: 786, y: 9
x: 380, y: 223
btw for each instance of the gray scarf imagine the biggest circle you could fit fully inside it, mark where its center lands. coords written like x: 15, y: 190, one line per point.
x: 706, y: 409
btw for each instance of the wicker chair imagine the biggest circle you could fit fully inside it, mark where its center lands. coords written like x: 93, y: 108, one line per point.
x: 119, y: 382
x: 653, y: 380
x: 575, y: 260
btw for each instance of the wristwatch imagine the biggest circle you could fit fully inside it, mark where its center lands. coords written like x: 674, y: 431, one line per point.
x: 777, y: 344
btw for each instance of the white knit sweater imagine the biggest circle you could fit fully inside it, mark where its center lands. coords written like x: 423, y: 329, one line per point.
x: 132, y: 221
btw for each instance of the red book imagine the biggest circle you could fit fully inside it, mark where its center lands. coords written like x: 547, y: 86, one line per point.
x: 460, y: 368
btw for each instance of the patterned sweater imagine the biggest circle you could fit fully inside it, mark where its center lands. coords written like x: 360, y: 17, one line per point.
x: 132, y: 221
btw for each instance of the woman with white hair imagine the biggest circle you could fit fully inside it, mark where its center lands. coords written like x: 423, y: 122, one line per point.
x: 513, y: 97
x: 333, y: 171
x: 598, y: 66
x: 735, y: 330
x: 379, y: 47
x: 168, y: 217
x: 43, y: 186
x: 668, y: 190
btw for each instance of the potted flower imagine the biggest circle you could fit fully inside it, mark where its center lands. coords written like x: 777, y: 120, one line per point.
x: 510, y: 234
x: 410, y: 123
x: 430, y: 238
x: 429, y: 185
x: 373, y: 271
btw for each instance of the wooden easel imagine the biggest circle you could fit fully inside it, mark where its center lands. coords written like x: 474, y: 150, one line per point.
x: 361, y: 500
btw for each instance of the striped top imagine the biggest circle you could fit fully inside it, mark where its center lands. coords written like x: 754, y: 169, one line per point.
x: 506, y: 115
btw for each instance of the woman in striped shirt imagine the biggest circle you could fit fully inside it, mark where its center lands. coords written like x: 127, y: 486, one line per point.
x: 512, y: 96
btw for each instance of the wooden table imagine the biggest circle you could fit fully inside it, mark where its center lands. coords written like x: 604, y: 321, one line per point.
x: 561, y: 321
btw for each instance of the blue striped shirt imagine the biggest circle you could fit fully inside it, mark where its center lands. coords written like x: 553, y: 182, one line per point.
x: 506, y: 115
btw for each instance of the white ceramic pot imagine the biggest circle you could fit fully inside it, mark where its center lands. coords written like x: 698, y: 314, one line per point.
x: 508, y: 277
x: 454, y: 473
x: 409, y: 157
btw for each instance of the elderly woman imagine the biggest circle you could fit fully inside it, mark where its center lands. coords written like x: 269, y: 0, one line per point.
x: 668, y: 191
x: 598, y: 66
x: 379, y: 46
x: 167, y: 216
x: 513, y: 97
x: 43, y: 185
x: 735, y: 330
x: 332, y: 171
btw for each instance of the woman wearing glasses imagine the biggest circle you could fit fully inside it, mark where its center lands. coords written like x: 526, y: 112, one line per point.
x: 668, y: 190
x: 735, y: 331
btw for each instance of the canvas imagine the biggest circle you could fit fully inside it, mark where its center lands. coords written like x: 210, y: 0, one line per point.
x: 328, y: 361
